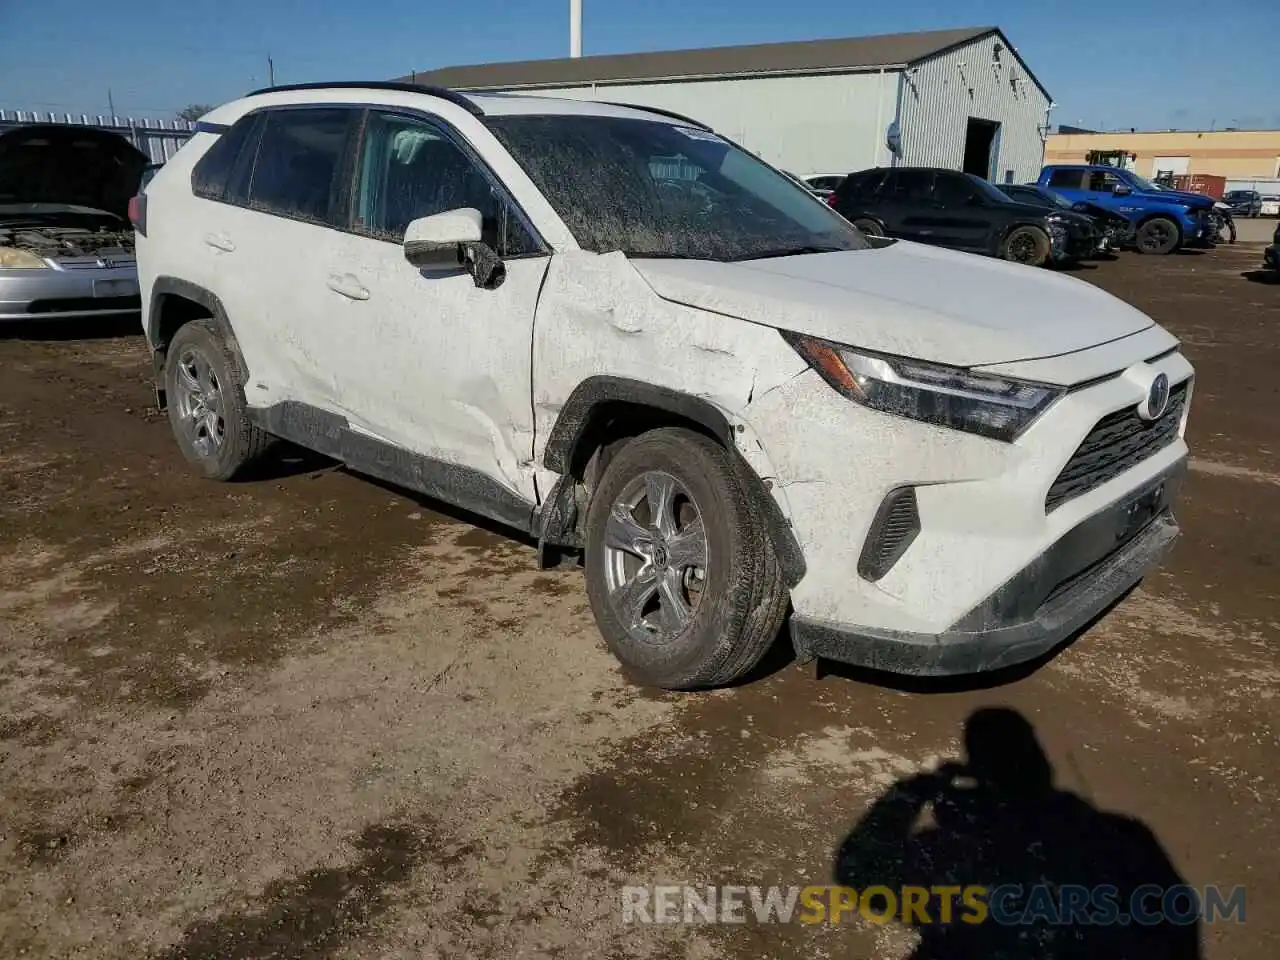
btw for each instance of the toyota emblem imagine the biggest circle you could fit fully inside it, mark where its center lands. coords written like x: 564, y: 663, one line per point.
x: 1157, y: 401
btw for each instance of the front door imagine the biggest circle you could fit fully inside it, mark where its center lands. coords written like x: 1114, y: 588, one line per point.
x: 435, y: 364
x: 963, y: 219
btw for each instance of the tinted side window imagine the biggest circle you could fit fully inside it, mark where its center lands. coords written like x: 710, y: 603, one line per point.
x: 1103, y: 182
x: 209, y: 176
x: 410, y: 168
x: 952, y: 189
x: 1068, y: 179
x: 913, y: 186
x: 862, y: 187
x: 299, y: 161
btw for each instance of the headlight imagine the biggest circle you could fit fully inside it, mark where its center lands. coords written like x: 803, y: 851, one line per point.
x: 16, y: 259
x: 996, y: 407
x: 1059, y: 228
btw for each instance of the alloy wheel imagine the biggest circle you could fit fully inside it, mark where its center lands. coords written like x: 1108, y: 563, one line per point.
x: 199, y: 401
x: 655, y: 557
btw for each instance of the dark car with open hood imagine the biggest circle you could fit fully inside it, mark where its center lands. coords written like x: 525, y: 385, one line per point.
x: 963, y: 212
x: 66, y: 244
x: 1111, y: 231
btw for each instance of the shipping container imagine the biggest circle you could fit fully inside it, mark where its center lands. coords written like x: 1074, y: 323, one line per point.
x: 1207, y: 184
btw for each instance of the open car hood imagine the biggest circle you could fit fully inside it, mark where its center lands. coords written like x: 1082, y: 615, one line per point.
x: 80, y: 166
x: 907, y: 299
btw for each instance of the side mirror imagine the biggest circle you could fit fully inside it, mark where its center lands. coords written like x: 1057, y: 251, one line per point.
x: 451, y: 241
x: 1121, y: 190
x: 435, y: 242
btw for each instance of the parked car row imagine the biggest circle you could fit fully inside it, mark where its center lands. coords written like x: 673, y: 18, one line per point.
x: 1072, y: 211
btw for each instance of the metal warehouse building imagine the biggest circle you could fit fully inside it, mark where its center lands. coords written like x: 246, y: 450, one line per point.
x: 962, y: 99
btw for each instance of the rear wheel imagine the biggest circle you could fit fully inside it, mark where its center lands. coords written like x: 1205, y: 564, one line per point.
x: 1026, y: 245
x: 206, y: 403
x: 681, y: 573
x: 869, y: 227
x: 1157, y: 236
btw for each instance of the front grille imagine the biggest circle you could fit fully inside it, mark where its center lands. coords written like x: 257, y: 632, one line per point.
x: 1117, y: 442
x: 895, y: 525
x: 70, y: 304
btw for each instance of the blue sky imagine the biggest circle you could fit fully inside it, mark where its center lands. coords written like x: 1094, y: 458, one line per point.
x: 1118, y: 64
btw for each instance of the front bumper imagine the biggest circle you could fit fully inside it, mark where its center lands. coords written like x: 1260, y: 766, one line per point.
x: 983, y: 506
x: 58, y: 294
x: 1072, y: 244
x: 1062, y: 591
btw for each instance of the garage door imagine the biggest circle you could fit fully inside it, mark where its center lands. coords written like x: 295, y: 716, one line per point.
x: 1169, y: 165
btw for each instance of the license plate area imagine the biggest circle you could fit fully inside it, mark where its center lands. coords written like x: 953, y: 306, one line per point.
x: 122, y: 287
x: 1140, y: 511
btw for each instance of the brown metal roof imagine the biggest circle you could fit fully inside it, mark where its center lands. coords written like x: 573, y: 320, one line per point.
x: 810, y: 56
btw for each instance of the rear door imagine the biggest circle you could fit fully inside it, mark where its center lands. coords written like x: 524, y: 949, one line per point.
x: 1068, y: 182
x: 275, y: 241
x: 914, y: 210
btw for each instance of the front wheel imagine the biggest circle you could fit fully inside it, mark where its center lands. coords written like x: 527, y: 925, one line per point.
x: 1157, y: 236
x: 681, y: 573
x: 1026, y: 245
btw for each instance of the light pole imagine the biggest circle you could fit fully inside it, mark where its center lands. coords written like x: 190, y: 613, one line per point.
x: 575, y: 28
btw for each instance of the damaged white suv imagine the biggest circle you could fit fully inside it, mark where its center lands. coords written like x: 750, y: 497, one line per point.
x: 615, y: 330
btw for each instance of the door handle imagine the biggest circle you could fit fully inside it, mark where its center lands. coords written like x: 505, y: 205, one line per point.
x: 219, y: 241
x: 348, y: 286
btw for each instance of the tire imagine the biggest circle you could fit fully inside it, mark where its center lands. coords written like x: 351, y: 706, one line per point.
x: 205, y: 390
x: 1026, y: 245
x: 1157, y: 237
x: 869, y: 227
x: 732, y: 613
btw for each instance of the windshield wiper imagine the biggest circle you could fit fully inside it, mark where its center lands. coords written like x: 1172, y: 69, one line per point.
x: 785, y: 252
x: 662, y: 255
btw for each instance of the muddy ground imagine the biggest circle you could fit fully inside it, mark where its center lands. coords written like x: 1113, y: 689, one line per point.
x: 312, y: 716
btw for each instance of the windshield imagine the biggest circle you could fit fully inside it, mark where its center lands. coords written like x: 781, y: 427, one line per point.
x: 1033, y: 194
x: 1141, y: 183
x: 654, y: 189
x: 984, y: 187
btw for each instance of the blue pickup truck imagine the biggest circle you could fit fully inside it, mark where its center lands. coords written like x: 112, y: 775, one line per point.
x: 1162, y: 220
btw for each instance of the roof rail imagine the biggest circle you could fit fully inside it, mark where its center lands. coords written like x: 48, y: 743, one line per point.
x: 658, y: 110
x: 444, y: 93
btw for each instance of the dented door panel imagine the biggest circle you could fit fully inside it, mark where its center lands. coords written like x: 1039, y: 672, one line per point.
x: 435, y: 365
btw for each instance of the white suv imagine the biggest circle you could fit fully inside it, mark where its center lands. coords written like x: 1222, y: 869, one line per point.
x: 614, y: 329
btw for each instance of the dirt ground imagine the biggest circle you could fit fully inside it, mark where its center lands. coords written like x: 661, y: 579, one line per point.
x: 313, y: 716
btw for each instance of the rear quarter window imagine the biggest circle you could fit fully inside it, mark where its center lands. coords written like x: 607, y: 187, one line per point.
x: 210, y: 175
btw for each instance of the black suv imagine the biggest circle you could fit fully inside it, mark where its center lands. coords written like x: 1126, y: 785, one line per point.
x: 961, y: 211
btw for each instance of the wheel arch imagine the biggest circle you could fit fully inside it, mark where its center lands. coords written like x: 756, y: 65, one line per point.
x: 603, y: 410
x: 175, y: 303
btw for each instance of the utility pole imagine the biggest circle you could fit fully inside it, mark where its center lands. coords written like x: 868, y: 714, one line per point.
x: 575, y: 28
x: 271, y: 72
x: 111, y: 105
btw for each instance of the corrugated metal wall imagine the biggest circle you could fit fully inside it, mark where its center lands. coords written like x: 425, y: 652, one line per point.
x: 832, y: 123
x: 939, y: 96
x: 158, y: 139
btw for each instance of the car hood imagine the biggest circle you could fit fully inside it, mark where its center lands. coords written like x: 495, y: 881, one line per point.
x: 64, y: 164
x: 1177, y: 196
x: 906, y: 299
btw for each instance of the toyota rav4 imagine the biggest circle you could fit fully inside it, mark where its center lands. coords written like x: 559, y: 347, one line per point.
x: 613, y: 329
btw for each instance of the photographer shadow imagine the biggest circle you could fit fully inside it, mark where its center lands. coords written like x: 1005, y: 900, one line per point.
x: 997, y: 820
